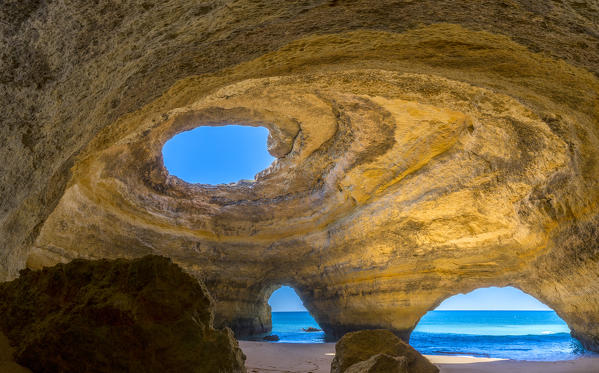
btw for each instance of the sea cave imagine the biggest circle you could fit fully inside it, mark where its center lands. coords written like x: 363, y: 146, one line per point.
x: 409, y: 151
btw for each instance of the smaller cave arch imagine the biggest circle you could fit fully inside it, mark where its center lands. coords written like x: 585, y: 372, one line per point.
x: 291, y: 320
x: 254, y: 320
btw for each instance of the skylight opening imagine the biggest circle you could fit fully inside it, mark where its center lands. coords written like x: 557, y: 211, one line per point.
x: 217, y: 155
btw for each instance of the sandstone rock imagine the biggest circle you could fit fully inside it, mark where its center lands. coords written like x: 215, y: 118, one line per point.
x: 380, y: 363
x: 424, y: 149
x: 358, y: 347
x: 142, y: 315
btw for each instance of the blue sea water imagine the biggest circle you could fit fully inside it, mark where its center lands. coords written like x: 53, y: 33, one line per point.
x: 289, y: 327
x: 518, y: 335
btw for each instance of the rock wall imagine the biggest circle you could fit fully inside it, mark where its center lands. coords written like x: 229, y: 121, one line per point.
x: 424, y: 148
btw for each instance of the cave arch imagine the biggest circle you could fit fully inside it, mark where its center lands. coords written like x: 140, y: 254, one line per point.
x: 291, y: 320
x: 248, y: 312
x: 495, y: 322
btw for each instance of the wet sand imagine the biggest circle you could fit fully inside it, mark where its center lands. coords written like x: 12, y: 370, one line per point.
x: 316, y: 358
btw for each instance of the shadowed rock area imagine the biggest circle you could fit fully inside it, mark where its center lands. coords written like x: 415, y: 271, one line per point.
x: 142, y: 315
x: 374, y: 351
x: 424, y: 148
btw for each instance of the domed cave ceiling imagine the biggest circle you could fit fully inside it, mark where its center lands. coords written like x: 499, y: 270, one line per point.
x: 423, y: 149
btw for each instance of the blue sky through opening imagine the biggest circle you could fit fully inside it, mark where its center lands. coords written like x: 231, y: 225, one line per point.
x: 217, y: 155
x: 493, y: 298
x: 285, y: 299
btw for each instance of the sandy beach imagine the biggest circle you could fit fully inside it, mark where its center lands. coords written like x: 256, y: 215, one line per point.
x: 316, y: 358
x: 264, y: 357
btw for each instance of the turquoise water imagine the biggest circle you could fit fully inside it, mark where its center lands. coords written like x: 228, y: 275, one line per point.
x: 289, y: 327
x: 518, y: 335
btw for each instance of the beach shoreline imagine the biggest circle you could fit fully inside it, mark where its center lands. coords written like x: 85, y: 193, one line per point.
x: 265, y: 357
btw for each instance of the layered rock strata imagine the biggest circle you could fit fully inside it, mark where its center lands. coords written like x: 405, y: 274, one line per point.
x: 424, y: 148
x: 141, y: 315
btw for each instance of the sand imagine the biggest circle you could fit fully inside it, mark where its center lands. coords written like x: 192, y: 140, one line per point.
x: 7, y: 364
x: 316, y: 358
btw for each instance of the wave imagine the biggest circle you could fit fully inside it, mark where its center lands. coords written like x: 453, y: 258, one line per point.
x: 460, y: 353
x: 547, y: 347
x: 548, y: 334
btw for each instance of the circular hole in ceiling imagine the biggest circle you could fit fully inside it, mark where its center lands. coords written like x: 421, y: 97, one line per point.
x: 217, y: 155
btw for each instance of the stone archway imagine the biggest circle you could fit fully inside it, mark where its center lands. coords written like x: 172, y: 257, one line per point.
x: 497, y: 323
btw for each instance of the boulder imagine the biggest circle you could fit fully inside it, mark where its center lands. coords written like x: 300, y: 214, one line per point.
x: 141, y: 315
x: 272, y: 338
x: 357, y: 347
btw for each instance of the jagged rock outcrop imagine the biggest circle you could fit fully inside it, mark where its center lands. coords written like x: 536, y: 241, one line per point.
x: 424, y: 148
x: 141, y: 315
x: 377, y: 350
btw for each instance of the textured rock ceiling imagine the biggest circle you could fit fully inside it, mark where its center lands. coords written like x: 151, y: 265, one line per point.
x: 424, y: 148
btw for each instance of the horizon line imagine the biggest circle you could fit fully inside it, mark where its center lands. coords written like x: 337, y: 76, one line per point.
x: 447, y: 310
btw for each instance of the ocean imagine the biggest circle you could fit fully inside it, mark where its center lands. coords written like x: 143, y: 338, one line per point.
x: 517, y: 335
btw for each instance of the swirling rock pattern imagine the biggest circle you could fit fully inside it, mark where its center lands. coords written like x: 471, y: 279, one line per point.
x: 423, y: 148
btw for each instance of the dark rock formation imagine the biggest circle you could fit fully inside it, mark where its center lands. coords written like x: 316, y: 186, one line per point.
x: 361, y: 347
x: 311, y: 330
x: 588, y: 341
x: 142, y: 315
x: 272, y: 338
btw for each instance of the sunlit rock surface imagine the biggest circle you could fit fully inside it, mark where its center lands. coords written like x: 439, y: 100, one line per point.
x: 141, y: 315
x: 424, y: 148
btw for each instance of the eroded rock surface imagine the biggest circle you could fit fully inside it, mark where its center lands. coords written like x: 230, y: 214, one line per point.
x: 371, y: 351
x: 141, y: 315
x: 424, y: 148
x: 381, y: 363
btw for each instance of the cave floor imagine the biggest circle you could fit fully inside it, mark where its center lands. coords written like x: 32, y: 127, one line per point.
x: 264, y: 357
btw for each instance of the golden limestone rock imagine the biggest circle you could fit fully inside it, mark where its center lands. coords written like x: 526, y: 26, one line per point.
x: 423, y: 149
